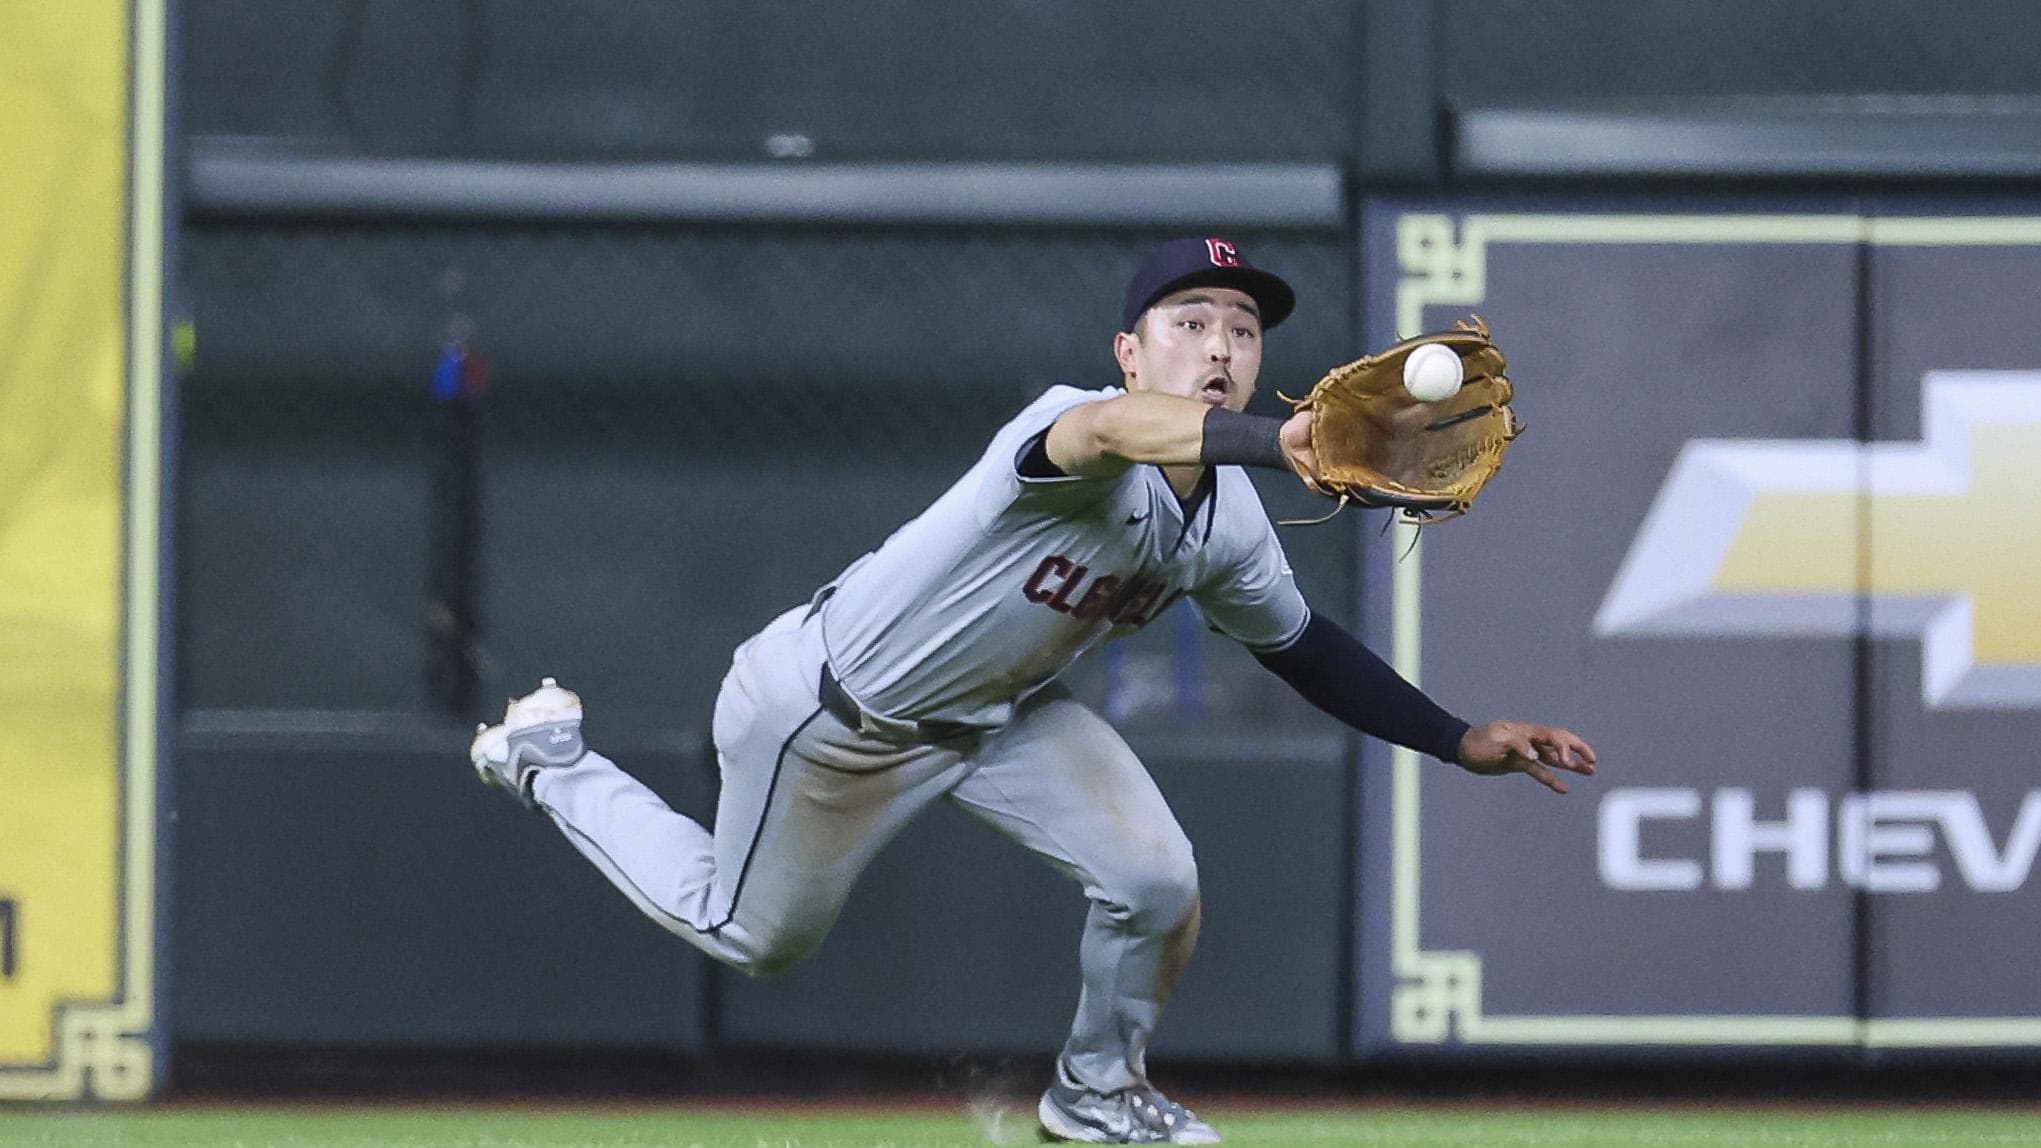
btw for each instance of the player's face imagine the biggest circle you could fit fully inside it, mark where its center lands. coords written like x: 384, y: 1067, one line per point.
x: 1200, y: 343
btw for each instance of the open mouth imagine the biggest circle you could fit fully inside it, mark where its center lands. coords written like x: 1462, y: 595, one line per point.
x: 1215, y: 389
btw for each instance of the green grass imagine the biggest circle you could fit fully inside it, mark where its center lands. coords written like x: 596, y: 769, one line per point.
x: 725, y: 1126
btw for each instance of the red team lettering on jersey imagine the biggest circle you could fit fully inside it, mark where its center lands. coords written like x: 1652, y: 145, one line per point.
x: 1126, y: 600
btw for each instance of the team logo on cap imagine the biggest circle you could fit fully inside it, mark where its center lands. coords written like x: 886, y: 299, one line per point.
x: 1223, y: 253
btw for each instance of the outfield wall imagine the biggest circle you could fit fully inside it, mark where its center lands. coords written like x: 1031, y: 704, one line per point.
x: 724, y: 297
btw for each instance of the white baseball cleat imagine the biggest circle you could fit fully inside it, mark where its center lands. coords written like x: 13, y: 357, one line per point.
x: 539, y: 730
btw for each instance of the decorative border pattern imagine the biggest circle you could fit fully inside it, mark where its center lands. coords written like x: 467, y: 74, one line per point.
x: 1437, y: 996
x: 106, y: 1050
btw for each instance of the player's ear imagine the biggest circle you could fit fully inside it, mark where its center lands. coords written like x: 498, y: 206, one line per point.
x: 1124, y: 345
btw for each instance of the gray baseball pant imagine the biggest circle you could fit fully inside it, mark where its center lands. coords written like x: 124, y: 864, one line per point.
x: 806, y: 803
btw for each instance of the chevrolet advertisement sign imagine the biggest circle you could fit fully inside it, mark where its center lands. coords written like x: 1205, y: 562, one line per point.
x: 1772, y: 543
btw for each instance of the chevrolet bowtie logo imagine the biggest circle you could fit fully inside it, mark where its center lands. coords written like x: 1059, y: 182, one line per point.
x: 1939, y: 540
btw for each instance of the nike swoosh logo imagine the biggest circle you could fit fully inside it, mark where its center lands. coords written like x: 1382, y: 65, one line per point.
x: 1136, y: 519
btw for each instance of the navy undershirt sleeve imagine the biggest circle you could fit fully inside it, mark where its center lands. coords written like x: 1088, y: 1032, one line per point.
x: 1336, y: 673
x: 1034, y: 459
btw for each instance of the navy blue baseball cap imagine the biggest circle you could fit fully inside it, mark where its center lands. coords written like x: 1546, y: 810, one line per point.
x: 1205, y: 261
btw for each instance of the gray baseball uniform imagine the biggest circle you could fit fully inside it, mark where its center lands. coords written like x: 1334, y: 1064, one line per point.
x: 927, y: 670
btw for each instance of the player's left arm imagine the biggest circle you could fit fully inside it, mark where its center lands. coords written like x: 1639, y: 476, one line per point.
x: 1250, y: 594
x: 1334, y: 671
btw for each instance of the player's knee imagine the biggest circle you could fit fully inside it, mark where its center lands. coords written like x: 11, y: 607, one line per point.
x: 764, y: 952
x: 1161, y: 892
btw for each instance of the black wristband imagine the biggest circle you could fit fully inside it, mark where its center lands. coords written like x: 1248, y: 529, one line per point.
x: 1242, y: 440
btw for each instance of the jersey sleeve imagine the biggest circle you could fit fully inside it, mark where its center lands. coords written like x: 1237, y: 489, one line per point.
x: 1000, y: 484
x: 1249, y: 593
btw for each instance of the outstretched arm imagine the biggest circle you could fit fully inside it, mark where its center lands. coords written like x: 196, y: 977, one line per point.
x: 1336, y: 673
x: 1104, y: 438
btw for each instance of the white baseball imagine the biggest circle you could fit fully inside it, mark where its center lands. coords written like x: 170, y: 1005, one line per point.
x: 1432, y: 372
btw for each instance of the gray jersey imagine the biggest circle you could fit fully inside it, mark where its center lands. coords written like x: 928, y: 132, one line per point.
x: 1006, y: 580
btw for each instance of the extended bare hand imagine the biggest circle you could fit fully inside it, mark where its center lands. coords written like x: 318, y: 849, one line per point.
x: 1498, y: 747
x: 1296, y: 439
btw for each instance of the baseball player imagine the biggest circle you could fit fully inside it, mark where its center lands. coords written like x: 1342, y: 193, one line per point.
x: 927, y: 670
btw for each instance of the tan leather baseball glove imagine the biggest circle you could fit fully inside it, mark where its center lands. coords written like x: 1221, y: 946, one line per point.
x: 1379, y: 446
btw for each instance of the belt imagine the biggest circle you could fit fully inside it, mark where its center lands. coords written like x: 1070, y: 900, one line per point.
x: 843, y: 708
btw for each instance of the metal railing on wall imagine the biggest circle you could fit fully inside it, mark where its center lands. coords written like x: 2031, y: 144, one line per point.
x: 1875, y: 137
x: 229, y: 181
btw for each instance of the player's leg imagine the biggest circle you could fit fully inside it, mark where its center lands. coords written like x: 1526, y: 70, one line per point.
x: 804, y: 806
x: 1063, y: 783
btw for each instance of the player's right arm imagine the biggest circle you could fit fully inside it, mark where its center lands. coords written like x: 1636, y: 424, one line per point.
x: 1102, y: 439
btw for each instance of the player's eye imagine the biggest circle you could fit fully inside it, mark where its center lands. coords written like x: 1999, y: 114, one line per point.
x: 1245, y: 332
x: 1191, y: 324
